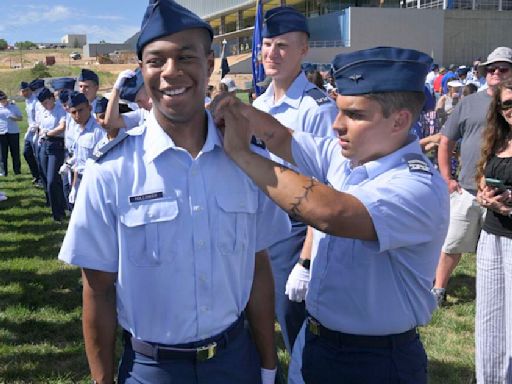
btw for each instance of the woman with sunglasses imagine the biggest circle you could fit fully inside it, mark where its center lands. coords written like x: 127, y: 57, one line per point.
x: 493, y: 325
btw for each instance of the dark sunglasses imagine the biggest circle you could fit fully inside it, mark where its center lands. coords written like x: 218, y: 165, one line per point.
x: 501, y: 69
x: 506, y: 105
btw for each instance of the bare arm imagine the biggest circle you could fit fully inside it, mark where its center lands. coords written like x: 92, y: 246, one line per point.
x: 260, y: 311
x: 113, y: 119
x: 304, y: 198
x: 99, y: 323
x: 57, y: 130
x: 305, y: 253
x: 444, y: 156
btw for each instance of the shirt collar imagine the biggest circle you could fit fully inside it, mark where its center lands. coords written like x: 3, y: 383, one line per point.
x: 158, y: 141
x: 376, y: 167
x: 293, y: 95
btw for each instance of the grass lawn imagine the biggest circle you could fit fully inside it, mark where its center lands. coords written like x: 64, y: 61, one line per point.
x: 40, y: 302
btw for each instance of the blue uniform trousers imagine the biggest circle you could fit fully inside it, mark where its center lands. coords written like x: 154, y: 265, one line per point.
x: 29, y: 153
x: 10, y: 142
x: 283, y: 257
x: 325, y: 362
x: 51, y: 159
x: 238, y: 362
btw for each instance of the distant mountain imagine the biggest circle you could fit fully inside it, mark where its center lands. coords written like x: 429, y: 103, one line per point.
x: 132, y: 41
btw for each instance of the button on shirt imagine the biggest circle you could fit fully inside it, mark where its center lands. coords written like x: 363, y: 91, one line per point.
x: 85, y: 143
x: 376, y: 287
x: 180, y: 232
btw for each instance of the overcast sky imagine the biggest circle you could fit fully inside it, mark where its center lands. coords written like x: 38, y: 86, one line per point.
x: 45, y: 21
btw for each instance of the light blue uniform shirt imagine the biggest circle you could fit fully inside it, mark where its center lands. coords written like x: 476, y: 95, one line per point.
x: 180, y: 232
x: 8, y: 125
x: 135, y: 118
x: 377, y: 287
x: 30, y: 108
x: 51, y: 119
x: 71, y: 133
x: 85, y: 143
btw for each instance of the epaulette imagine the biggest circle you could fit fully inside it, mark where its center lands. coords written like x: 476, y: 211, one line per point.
x: 258, y: 142
x: 320, y: 97
x: 417, y: 163
x: 100, y: 152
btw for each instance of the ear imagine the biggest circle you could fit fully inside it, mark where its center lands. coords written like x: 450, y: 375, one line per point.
x: 402, y: 121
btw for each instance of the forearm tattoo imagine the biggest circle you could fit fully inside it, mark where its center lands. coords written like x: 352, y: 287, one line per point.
x: 295, y: 207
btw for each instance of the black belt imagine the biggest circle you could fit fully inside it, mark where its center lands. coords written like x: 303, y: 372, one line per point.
x: 359, y: 341
x: 53, y: 139
x: 199, y: 351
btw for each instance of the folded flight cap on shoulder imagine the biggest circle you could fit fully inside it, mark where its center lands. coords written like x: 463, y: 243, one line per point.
x: 165, y: 17
x: 281, y: 20
x: 64, y: 83
x: 381, y: 69
x: 76, y: 98
x: 44, y: 94
x: 87, y: 74
x: 131, y: 86
x: 101, y: 105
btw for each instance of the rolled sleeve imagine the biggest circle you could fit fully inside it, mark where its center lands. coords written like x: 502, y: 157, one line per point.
x: 91, y: 240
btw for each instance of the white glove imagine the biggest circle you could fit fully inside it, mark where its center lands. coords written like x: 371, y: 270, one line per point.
x: 72, y: 195
x: 268, y: 376
x: 297, y: 283
x: 64, y: 168
x: 126, y: 74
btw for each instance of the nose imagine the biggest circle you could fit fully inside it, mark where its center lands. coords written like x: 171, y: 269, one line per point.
x: 339, y: 125
x: 171, y: 68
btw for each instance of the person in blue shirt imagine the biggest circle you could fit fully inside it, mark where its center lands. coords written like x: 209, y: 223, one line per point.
x: 302, y: 106
x: 29, y: 151
x: 380, y: 213
x: 89, y: 134
x: 171, y: 235
x: 52, y: 123
x: 10, y: 114
x: 89, y: 84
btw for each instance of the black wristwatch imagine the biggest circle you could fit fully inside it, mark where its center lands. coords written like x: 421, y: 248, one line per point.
x: 306, y: 263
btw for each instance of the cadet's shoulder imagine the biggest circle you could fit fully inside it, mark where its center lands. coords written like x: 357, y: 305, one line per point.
x: 317, y: 96
x: 124, y: 138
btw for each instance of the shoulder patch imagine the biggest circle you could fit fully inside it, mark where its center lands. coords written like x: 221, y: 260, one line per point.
x: 320, y: 97
x: 417, y: 163
x: 258, y: 142
x: 100, y: 152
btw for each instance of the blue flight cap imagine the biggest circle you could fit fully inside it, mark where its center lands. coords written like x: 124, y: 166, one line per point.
x: 165, y: 17
x: 24, y: 85
x: 36, y: 84
x: 64, y: 83
x: 381, y: 69
x: 77, y: 98
x: 64, y: 96
x: 44, y: 94
x: 101, y: 105
x: 282, y: 20
x: 87, y: 74
x: 131, y: 86
x: 434, y: 67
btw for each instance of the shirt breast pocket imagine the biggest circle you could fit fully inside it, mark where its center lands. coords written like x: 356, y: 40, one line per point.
x: 87, y: 142
x: 235, y: 214
x: 144, y: 226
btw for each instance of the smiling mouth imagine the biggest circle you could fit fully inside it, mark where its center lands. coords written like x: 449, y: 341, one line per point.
x: 174, y: 92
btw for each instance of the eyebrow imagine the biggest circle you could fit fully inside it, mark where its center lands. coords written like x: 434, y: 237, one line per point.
x: 157, y: 51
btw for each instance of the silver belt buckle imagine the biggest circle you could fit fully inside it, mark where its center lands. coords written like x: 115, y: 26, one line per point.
x: 206, y: 352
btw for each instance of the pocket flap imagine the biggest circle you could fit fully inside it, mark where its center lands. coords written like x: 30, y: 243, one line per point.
x: 133, y: 215
x: 237, y: 202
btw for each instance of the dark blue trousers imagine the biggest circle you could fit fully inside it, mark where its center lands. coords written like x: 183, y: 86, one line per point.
x: 29, y: 154
x: 324, y: 362
x: 237, y: 363
x: 10, y: 142
x: 51, y: 159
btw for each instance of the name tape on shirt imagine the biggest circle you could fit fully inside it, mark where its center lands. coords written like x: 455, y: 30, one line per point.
x: 145, y: 197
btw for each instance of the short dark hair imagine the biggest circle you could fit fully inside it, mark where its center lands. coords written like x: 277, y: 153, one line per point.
x: 393, y: 101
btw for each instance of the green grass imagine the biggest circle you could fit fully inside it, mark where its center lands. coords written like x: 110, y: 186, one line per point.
x: 40, y: 302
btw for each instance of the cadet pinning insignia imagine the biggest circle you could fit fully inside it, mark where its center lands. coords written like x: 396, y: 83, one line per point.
x: 100, y: 152
x: 417, y: 163
x: 318, y: 95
